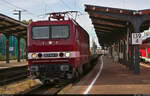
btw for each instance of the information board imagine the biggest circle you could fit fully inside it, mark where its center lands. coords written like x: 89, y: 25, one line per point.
x: 11, y: 48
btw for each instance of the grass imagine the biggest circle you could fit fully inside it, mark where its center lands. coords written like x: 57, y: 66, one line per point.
x: 1, y: 90
x: 3, y: 57
x: 18, y: 87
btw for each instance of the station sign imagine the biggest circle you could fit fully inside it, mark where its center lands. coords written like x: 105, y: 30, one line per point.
x: 11, y: 48
x: 136, y: 38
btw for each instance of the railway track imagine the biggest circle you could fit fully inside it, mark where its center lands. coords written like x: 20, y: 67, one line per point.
x: 45, y: 89
x: 11, y: 75
x: 54, y: 89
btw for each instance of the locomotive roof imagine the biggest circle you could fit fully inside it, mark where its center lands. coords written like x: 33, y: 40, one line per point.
x: 111, y: 23
x: 70, y: 20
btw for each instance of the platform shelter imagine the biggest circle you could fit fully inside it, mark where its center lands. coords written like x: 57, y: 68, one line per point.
x: 114, y: 28
x: 11, y: 27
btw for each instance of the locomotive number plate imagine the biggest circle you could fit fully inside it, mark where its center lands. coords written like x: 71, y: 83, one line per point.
x: 51, y: 55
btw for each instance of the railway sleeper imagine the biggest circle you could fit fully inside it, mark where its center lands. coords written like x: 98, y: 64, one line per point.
x: 53, y: 77
x: 9, y: 76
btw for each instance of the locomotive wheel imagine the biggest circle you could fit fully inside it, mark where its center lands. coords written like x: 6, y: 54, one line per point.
x: 89, y: 64
x: 80, y: 70
x: 47, y: 82
x: 75, y: 74
x: 84, y: 68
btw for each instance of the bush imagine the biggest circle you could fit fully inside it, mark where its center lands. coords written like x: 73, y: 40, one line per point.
x: 3, y: 57
x: 12, y: 58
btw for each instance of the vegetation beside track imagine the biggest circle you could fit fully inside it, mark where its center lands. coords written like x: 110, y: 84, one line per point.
x: 47, y: 89
x: 18, y: 87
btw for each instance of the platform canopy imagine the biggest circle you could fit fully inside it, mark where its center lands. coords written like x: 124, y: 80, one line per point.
x: 10, y: 26
x: 111, y: 23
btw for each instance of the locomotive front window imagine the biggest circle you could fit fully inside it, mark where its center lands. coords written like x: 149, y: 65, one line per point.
x: 40, y: 32
x: 60, y: 31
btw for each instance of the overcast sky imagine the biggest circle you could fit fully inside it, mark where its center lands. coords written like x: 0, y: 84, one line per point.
x: 35, y: 9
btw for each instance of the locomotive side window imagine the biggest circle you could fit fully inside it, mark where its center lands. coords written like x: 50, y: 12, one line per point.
x: 40, y: 32
x: 60, y: 31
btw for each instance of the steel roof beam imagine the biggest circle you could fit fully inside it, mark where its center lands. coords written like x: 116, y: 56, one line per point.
x: 15, y: 31
x: 96, y: 27
x: 106, y: 23
x: 109, y: 20
x: 115, y: 15
x: 7, y: 27
x: 102, y: 31
x: 2, y: 19
x: 12, y: 21
x: 104, y: 27
x: 99, y: 29
x: 109, y: 26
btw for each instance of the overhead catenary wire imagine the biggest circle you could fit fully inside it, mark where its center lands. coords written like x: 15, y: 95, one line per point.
x: 79, y: 12
x: 66, y: 5
x: 15, y: 6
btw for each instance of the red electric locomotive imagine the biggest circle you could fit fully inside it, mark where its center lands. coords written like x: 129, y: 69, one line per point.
x: 57, y: 49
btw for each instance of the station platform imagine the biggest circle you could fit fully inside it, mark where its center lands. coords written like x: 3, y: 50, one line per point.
x: 13, y: 63
x: 108, y: 77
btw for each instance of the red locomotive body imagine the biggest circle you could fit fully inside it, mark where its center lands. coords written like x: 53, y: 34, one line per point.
x: 57, y: 49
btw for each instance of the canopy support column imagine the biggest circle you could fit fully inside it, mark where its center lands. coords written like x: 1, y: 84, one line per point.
x: 26, y: 49
x: 18, y: 47
x: 137, y: 59
x: 131, y: 58
x: 137, y: 22
x: 7, y: 48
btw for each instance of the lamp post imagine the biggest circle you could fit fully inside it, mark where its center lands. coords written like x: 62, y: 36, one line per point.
x: 18, y: 12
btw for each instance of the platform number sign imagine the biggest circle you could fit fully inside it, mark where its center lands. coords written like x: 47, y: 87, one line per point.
x: 136, y: 38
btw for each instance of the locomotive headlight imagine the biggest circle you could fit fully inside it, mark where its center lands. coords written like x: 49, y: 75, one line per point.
x: 67, y: 54
x: 34, y: 55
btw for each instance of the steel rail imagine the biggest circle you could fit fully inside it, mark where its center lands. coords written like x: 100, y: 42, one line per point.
x: 11, y: 75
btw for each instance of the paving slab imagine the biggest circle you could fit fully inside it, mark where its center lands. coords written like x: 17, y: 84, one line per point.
x: 114, y: 78
x: 13, y: 63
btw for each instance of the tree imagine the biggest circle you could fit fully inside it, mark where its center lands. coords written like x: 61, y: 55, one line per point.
x: 27, y: 22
